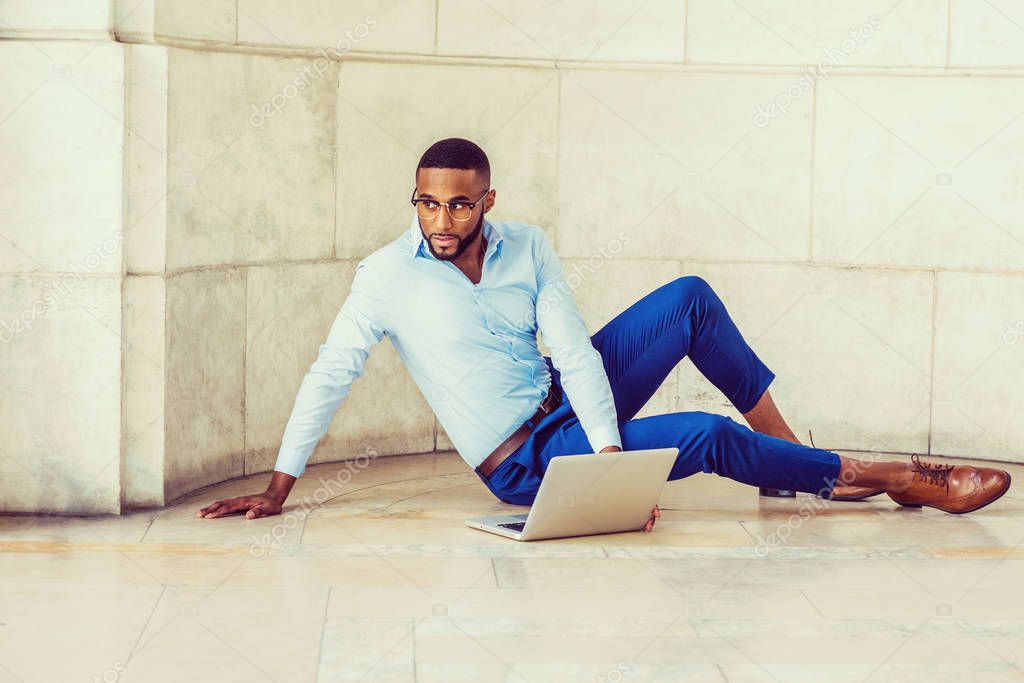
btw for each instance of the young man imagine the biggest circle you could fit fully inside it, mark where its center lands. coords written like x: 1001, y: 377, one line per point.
x: 462, y: 300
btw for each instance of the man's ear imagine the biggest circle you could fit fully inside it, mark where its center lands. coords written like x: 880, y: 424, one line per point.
x: 489, y: 200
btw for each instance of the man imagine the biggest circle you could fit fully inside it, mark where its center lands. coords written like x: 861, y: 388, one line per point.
x: 462, y: 300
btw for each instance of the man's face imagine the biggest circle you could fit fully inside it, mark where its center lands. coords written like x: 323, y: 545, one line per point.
x: 447, y: 238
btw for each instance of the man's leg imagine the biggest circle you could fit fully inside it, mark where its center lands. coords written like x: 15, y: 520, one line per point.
x: 684, y: 317
x: 641, y: 346
x: 711, y: 443
x: 688, y: 317
x: 765, y: 418
x: 717, y: 444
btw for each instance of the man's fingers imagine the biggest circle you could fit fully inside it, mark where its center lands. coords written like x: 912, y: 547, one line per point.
x: 224, y: 507
x: 208, y: 508
x: 255, y: 511
x: 211, y: 510
x: 655, y: 514
x: 215, y: 511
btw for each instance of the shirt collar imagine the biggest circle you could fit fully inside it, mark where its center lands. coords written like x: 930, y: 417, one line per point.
x: 418, y: 247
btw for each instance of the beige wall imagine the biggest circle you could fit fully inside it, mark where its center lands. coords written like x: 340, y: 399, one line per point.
x: 863, y: 223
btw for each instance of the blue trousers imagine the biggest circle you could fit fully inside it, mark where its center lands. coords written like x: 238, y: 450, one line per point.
x: 640, y: 347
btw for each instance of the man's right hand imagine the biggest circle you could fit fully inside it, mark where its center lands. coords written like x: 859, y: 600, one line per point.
x: 261, y: 505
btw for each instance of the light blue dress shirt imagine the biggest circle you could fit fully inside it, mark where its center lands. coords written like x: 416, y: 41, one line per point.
x: 471, y: 349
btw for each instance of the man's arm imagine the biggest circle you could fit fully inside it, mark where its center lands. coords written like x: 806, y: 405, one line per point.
x: 361, y: 322
x: 582, y: 371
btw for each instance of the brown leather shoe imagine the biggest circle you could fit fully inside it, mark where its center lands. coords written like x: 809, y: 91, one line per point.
x: 842, y: 492
x: 952, y: 488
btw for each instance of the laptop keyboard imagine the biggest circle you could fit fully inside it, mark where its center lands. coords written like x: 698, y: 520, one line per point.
x: 514, y: 526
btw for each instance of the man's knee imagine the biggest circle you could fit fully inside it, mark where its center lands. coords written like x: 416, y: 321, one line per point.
x: 714, y: 426
x: 715, y: 431
x: 692, y: 283
x: 690, y: 286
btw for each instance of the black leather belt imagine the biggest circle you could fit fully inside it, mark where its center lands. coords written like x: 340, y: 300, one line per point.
x: 516, y: 439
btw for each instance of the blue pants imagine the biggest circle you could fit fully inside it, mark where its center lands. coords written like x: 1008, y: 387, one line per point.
x: 640, y: 347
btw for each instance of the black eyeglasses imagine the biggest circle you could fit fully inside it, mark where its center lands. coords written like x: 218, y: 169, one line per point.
x: 458, y: 210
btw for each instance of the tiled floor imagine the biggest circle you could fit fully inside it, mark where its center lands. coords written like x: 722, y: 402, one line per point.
x: 384, y: 582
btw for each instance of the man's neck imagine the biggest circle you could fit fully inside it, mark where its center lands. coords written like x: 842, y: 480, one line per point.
x: 471, y: 262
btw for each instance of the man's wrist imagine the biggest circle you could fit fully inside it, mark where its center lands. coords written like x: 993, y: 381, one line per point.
x: 280, y: 486
x: 278, y: 497
x: 610, y: 449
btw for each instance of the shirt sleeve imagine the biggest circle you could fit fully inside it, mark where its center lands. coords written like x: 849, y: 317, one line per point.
x: 582, y: 371
x: 361, y: 322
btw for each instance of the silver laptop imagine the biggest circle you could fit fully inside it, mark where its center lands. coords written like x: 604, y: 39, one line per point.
x: 596, y: 493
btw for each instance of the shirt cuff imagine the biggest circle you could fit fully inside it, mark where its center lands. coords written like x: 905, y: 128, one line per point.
x: 288, y: 465
x: 605, y: 436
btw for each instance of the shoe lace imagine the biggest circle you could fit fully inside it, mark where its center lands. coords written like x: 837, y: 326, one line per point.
x: 932, y: 473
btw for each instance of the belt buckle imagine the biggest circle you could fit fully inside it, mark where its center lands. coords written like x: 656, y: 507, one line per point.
x: 553, y: 394
x: 533, y: 419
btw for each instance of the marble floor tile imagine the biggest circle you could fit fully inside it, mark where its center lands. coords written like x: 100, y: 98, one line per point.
x: 377, y: 579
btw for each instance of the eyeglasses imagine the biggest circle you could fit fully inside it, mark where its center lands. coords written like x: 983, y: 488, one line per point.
x: 458, y: 210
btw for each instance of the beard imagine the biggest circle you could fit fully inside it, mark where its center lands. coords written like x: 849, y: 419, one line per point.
x: 461, y: 243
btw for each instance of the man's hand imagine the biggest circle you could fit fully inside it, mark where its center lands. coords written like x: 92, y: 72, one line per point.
x: 261, y: 505
x: 610, y: 449
x: 655, y: 514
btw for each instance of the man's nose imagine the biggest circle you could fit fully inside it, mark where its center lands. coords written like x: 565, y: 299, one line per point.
x: 444, y: 220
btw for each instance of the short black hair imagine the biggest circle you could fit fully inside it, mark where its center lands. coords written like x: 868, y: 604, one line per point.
x: 456, y: 153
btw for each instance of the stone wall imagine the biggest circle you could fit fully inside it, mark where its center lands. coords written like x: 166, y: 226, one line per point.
x: 189, y: 184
